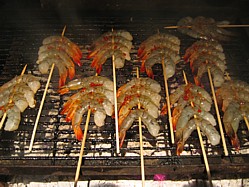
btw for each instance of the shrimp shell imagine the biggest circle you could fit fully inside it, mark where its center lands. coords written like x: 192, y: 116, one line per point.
x: 151, y: 124
x: 92, y: 81
x: 189, y: 112
x: 140, y: 82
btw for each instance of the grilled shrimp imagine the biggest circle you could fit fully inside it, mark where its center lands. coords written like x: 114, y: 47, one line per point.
x: 23, y: 89
x: 157, y: 59
x: 151, y: 124
x: 117, y: 34
x: 182, y: 23
x: 189, y: 112
x: 59, y: 46
x: 31, y: 80
x: 186, y: 91
x: 14, y: 118
x: 203, y: 28
x: 145, y: 102
x: 111, y: 46
x: 217, y: 74
x: 92, y: 81
x: 62, y: 39
x: 205, y: 58
x: 140, y: 82
x: 79, y: 103
x: 158, y: 44
x: 155, y: 97
x: 235, y: 90
x: 103, y: 55
x: 206, y: 128
x: 231, y: 119
x: 160, y: 36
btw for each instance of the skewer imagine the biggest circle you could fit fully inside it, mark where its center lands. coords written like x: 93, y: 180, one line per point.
x: 77, y: 173
x: 217, y: 113
x: 10, y: 100
x: 246, y: 121
x: 201, y: 140
x: 141, y: 143
x: 115, y: 98
x: 168, y: 102
x: 82, y: 148
x: 43, y: 99
x: 40, y: 109
x: 221, y: 26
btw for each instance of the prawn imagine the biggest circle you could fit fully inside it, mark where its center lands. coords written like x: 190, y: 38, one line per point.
x: 150, y: 122
x: 140, y: 82
x: 206, y: 128
x: 62, y: 39
x: 92, y: 81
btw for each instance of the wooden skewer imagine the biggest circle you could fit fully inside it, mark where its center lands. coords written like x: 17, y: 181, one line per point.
x: 10, y: 100
x: 82, y: 148
x: 40, y: 109
x: 42, y: 101
x: 141, y: 143
x: 246, y: 121
x: 217, y: 113
x: 77, y: 173
x: 201, y: 140
x: 64, y: 30
x: 168, y: 102
x: 221, y: 26
x: 115, y: 98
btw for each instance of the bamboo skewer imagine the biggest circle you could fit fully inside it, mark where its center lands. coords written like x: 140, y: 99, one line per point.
x: 40, y: 109
x: 115, y: 98
x: 141, y: 143
x: 217, y: 113
x: 82, y: 148
x: 168, y: 102
x: 43, y: 99
x: 221, y: 26
x: 10, y: 99
x: 77, y: 173
x: 201, y: 141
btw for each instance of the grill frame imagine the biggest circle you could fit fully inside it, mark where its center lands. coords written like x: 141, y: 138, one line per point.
x: 102, y: 167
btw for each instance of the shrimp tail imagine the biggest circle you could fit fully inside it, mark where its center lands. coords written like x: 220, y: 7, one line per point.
x: 70, y: 114
x: 142, y: 68
x: 62, y: 80
x: 150, y: 73
x: 77, y: 61
x: 71, y: 72
x: 164, y: 110
x: 78, y: 132
x: 235, y: 142
x: 63, y: 90
x: 197, y: 81
x: 180, y: 147
x: 98, y: 69
x: 122, y: 135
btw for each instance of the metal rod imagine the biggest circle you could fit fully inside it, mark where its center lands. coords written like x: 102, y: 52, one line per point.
x: 40, y: 109
x: 221, y: 26
x: 168, y: 102
x: 141, y: 143
x: 217, y: 113
x: 10, y: 99
x: 82, y: 148
x: 201, y: 141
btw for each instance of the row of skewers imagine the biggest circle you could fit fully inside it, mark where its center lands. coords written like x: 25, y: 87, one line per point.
x: 96, y: 93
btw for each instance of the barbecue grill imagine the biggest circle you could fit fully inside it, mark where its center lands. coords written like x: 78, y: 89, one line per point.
x: 55, y: 151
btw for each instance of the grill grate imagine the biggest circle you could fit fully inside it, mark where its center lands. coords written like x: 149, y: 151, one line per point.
x: 55, y: 149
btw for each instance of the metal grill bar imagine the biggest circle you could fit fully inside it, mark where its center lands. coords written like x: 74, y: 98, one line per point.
x: 55, y: 148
